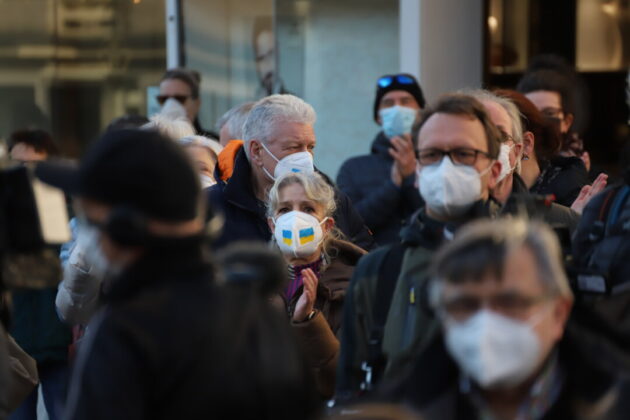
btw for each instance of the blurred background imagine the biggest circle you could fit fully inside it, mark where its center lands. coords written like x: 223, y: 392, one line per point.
x: 71, y: 66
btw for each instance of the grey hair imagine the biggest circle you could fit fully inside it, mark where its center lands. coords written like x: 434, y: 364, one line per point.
x: 482, y: 247
x: 271, y: 110
x: 509, y: 107
x: 201, y: 141
x: 235, y: 118
x: 174, y: 129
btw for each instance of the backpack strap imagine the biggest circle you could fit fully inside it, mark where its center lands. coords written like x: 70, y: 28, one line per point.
x: 607, y: 243
x: 388, y: 274
x: 617, y: 207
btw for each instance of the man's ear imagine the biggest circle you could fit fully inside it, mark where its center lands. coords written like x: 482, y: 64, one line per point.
x: 567, y: 122
x: 493, y: 175
x: 528, y: 144
x: 255, y: 152
x: 561, y: 312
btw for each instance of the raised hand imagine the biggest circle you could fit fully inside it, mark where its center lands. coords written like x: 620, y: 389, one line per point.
x: 404, y: 158
x: 589, y: 191
x: 306, y: 302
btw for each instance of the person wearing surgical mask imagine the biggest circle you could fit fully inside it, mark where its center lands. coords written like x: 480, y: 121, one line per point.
x: 382, y: 183
x: 507, y: 348
x: 278, y: 139
x: 320, y: 263
x: 504, y: 114
x: 458, y: 147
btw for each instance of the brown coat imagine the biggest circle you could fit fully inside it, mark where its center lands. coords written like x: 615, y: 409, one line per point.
x: 318, y: 335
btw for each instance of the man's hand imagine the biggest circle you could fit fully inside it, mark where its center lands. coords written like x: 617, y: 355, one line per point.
x: 404, y: 158
x: 306, y: 302
x: 589, y: 191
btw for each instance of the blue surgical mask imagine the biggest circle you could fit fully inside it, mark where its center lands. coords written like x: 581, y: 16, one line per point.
x: 397, y: 120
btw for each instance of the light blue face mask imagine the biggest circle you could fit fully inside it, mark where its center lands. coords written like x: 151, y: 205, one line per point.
x: 397, y: 120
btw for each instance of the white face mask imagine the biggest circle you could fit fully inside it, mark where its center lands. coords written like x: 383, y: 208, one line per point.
x: 494, y: 350
x: 397, y: 120
x: 450, y: 190
x: 295, y: 162
x: 94, y: 260
x: 173, y: 109
x: 206, y: 181
x: 504, y: 158
x: 298, y: 234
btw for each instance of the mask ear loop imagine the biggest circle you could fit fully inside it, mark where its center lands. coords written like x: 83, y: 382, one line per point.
x: 271, y: 177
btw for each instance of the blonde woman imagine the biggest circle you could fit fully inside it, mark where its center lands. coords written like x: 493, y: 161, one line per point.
x: 320, y: 265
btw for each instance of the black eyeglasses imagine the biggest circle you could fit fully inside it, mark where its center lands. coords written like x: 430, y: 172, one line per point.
x: 179, y: 98
x: 512, y: 305
x: 399, y: 78
x: 459, y: 156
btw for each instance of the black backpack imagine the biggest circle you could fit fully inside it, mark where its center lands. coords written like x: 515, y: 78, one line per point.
x: 600, y: 271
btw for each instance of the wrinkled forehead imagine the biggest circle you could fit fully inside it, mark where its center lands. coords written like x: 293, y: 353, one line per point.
x: 515, y: 272
x: 283, y: 131
x: 499, y: 116
x: 451, y: 131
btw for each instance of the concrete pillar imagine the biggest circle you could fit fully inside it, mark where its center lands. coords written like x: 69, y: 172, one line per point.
x: 441, y: 43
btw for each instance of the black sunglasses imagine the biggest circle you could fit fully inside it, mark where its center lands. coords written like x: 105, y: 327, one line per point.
x: 399, y: 78
x: 179, y: 98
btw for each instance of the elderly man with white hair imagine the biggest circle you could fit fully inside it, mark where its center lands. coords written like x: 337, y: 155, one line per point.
x: 278, y: 137
x: 506, y: 116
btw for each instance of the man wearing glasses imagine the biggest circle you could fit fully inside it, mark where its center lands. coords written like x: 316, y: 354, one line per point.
x: 382, y: 184
x: 384, y: 326
x: 506, y: 349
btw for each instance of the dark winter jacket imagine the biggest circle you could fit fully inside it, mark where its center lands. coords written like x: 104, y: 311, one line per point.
x: 170, y: 344
x: 407, y: 325
x: 385, y: 207
x: 245, y: 216
x: 596, y: 383
x: 563, y: 177
x: 554, y: 214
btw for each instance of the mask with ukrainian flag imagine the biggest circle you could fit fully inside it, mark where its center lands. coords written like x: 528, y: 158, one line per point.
x: 298, y: 234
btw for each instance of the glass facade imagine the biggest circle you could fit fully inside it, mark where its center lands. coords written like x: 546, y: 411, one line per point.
x: 71, y: 66
x: 328, y: 52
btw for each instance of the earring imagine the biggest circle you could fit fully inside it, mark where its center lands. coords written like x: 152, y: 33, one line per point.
x: 525, y: 157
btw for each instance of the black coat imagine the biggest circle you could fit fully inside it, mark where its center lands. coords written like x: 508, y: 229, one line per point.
x: 593, y: 374
x: 245, y: 217
x: 563, y: 177
x: 170, y: 344
x: 385, y: 207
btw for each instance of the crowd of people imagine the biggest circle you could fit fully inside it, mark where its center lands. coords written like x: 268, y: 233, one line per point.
x: 472, y: 266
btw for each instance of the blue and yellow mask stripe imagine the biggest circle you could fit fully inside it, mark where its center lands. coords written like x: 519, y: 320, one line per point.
x: 287, y: 237
x: 306, y: 235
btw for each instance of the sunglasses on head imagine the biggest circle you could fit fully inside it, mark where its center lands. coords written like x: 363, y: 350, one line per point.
x: 179, y: 98
x: 399, y: 78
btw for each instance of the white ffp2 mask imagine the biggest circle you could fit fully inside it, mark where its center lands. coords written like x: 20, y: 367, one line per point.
x: 450, y: 190
x: 293, y: 163
x: 493, y: 349
x: 298, y: 234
